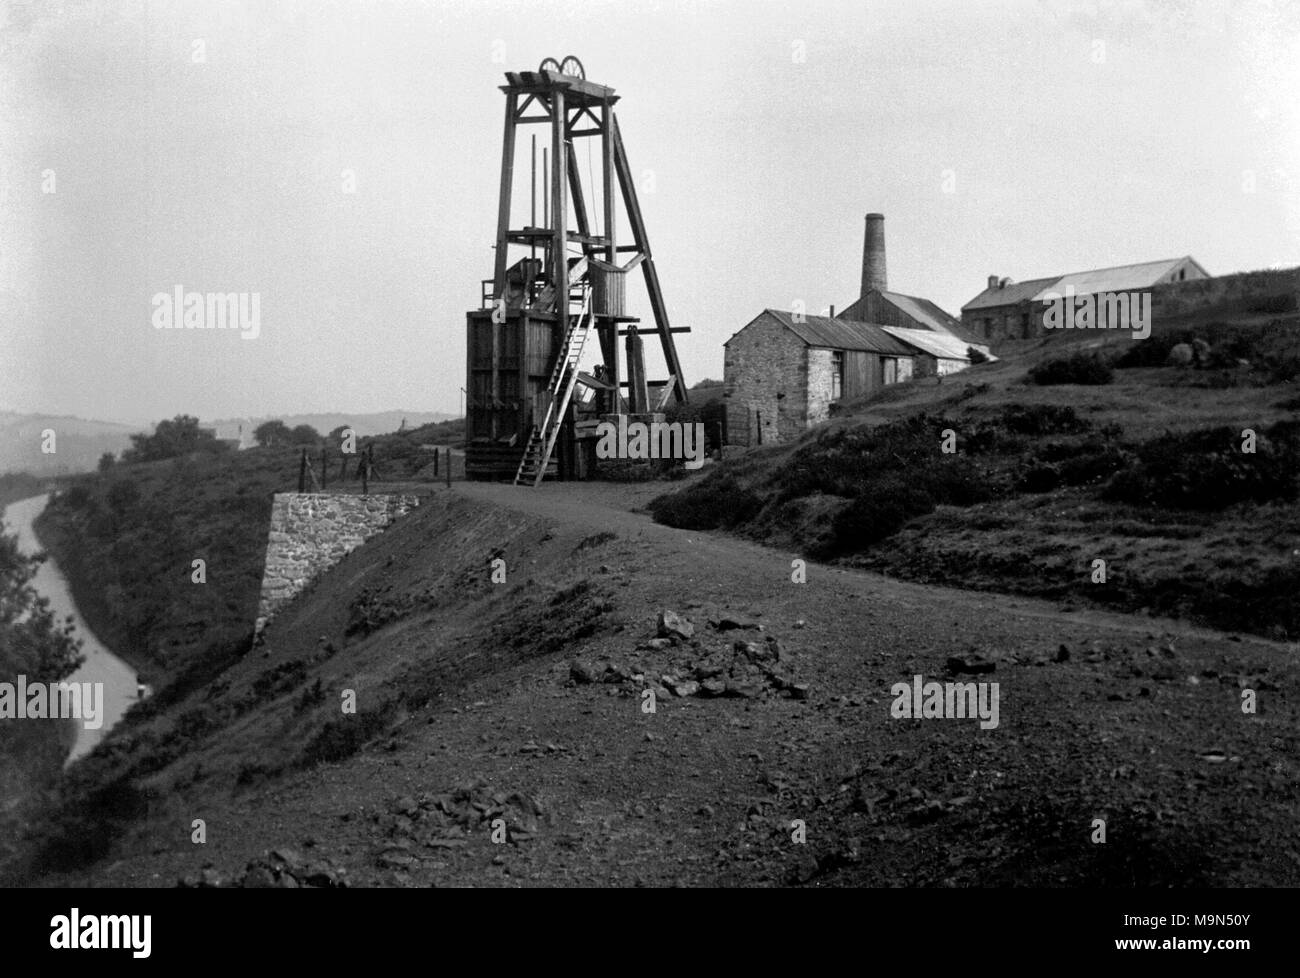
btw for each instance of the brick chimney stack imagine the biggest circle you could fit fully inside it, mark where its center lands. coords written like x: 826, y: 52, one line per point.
x: 873, y: 255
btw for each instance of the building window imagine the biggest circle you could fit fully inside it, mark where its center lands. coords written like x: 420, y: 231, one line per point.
x: 837, y: 376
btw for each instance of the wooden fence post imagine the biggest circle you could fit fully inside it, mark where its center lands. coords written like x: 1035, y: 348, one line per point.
x: 302, y: 472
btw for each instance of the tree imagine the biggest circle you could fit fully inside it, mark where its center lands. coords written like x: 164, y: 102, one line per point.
x: 171, y: 439
x: 32, y: 643
x: 272, y: 433
x: 107, y: 461
x: 304, y: 434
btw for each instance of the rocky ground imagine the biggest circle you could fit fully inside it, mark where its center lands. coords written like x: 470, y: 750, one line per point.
x: 718, y: 722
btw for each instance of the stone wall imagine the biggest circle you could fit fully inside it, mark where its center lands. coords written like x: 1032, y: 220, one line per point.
x: 311, y: 532
x: 821, y: 385
x: 765, y: 381
x: 1263, y: 289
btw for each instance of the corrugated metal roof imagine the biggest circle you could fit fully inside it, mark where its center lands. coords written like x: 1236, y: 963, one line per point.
x: 1120, y: 278
x: 923, y: 312
x: 1012, y: 293
x: 841, y: 334
x: 937, y: 344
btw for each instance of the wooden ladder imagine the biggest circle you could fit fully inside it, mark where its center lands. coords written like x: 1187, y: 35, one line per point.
x: 564, y: 378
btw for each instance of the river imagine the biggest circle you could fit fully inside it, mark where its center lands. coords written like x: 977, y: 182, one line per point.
x: 101, y: 665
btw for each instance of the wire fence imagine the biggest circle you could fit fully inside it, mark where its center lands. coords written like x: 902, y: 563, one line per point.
x: 360, y: 472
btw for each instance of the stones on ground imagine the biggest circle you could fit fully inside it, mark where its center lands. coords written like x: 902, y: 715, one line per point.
x: 729, y: 621
x: 971, y: 662
x: 583, y: 671
x: 285, y: 869
x: 672, y: 624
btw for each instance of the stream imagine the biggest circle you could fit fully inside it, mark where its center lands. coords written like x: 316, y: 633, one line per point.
x: 101, y: 665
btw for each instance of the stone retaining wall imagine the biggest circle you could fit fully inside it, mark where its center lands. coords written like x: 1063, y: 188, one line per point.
x: 311, y: 532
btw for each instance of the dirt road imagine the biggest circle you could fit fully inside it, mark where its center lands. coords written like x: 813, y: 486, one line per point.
x: 1121, y: 755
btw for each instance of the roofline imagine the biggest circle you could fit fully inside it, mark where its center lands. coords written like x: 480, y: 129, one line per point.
x: 1088, y: 271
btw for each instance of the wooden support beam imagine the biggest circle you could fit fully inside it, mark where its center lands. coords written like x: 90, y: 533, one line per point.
x: 583, y: 236
x: 637, y: 396
x: 639, y: 235
x: 666, y: 393
x: 560, y: 222
x: 608, y: 177
x: 507, y: 182
x: 653, y: 330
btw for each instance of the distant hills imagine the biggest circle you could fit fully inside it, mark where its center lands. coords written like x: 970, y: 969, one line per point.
x: 79, y: 442
x: 379, y: 423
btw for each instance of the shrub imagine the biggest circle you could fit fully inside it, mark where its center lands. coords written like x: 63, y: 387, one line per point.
x: 1206, y: 470
x: 878, y: 514
x: 1078, y: 368
x: 1043, y: 419
x: 713, y: 503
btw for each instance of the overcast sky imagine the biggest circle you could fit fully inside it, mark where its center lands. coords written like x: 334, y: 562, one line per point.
x: 1023, y: 139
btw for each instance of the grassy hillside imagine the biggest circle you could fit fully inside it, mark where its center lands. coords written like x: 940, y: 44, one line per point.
x: 126, y: 541
x: 1141, y: 466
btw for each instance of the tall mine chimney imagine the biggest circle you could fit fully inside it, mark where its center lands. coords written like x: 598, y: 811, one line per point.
x: 873, y: 255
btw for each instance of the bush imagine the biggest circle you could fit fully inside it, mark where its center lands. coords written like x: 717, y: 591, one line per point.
x: 1078, y: 368
x: 1043, y: 419
x: 1206, y: 470
x: 717, y: 502
x: 172, y: 439
x: 878, y: 514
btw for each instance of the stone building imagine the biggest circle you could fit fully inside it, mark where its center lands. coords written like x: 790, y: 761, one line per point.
x: 1008, y: 310
x: 782, y: 372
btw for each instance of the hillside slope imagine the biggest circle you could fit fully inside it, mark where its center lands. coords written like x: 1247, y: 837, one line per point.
x: 1149, y: 473
x: 523, y: 701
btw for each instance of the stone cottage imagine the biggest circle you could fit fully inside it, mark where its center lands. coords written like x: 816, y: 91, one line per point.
x: 782, y: 371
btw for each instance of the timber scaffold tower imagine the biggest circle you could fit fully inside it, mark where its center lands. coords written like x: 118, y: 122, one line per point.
x: 531, y: 410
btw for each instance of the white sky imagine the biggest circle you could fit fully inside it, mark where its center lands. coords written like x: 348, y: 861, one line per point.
x: 1077, y: 135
